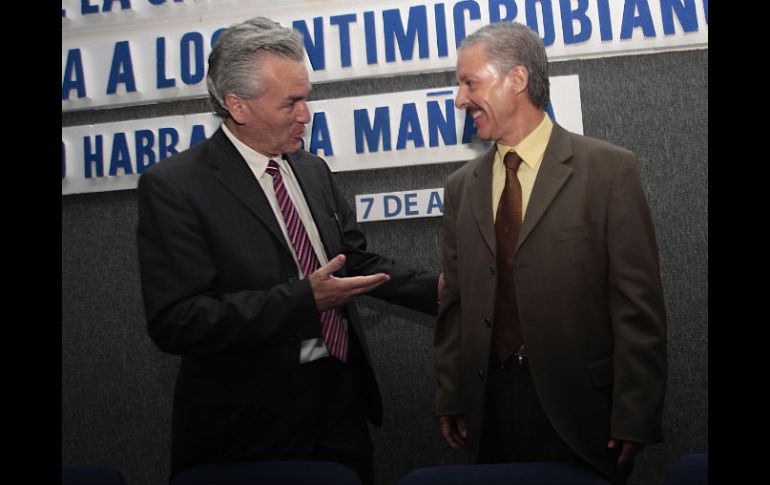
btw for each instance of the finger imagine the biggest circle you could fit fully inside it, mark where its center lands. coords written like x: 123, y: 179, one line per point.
x: 453, y: 438
x: 374, y: 284
x: 627, y: 453
x: 363, y: 284
x: 612, y: 443
x: 623, y: 457
x: 333, y: 265
x: 452, y: 442
x: 461, y: 428
x: 446, y: 431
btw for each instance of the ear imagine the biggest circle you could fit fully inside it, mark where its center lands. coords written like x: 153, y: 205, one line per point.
x: 237, y: 108
x: 519, y: 78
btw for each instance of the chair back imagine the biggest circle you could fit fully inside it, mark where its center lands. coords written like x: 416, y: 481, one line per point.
x: 90, y: 475
x: 268, y: 472
x: 692, y: 469
x: 534, y: 473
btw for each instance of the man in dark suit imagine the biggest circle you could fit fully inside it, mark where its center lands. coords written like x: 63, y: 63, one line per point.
x: 250, y: 258
x: 551, y: 334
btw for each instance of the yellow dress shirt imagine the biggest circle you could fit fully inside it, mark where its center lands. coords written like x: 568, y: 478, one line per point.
x: 531, y: 150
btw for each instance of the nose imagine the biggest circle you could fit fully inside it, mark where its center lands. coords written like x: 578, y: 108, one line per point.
x: 461, y: 101
x: 303, y: 113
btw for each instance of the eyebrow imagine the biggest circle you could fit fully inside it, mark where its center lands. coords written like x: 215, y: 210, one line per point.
x: 294, y: 99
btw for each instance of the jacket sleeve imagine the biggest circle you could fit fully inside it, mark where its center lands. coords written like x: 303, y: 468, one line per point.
x: 186, y: 311
x: 448, y: 323
x: 637, y: 311
x: 412, y: 288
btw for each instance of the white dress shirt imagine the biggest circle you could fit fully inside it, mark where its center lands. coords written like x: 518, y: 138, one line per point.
x: 311, y: 349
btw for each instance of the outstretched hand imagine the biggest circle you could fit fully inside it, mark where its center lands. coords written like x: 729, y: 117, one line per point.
x: 330, y: 291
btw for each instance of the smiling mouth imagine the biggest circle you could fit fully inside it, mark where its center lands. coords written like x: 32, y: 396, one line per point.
x: 475, y: 114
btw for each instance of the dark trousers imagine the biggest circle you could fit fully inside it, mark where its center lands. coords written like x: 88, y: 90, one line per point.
x: 316, y: 414
x: 328, y: 420
x: 515, y: 427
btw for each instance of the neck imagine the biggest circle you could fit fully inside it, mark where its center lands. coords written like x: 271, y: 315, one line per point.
x: 523, y: 123
x: 242, y: 134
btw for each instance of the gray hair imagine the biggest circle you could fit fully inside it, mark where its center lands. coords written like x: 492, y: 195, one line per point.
x: 510, y: 44
x: 235, y: 62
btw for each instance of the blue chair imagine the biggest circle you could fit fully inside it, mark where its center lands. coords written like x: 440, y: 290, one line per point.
x: 535, y: 473
x: 268, y: 472
x: 90, y: 475
x: 692, y: 469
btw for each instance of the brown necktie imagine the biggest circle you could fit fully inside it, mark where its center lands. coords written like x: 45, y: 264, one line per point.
x: 507, y: 336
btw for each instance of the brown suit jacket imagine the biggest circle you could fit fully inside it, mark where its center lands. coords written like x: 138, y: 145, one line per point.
x: 589, y: 295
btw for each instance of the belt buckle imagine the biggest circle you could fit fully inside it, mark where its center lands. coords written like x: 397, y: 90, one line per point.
x: 521, y: 354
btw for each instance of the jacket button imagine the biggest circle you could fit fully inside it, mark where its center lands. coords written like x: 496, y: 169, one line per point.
x: 487, y: 322
x: 492, y: 269
x: 481, y: 375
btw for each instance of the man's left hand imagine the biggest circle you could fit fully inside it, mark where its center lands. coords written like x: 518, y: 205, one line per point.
x: 630, y: 449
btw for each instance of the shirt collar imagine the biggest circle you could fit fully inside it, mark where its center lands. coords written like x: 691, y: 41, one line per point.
x: 256, y: 161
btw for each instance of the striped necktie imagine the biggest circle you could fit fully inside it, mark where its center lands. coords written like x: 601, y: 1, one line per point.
x: 334, y: 334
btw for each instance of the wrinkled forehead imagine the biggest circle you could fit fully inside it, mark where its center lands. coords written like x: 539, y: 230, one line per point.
x: 473, y: 60
x: 284, y: 72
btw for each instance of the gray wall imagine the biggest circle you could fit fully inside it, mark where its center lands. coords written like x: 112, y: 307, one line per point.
x: 117, y: 387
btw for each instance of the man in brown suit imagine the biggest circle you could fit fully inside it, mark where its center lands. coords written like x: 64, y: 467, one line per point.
x: 579, y: 294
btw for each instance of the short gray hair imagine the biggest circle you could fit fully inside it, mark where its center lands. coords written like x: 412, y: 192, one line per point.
x: 235, y: 62
x: 510, y: 44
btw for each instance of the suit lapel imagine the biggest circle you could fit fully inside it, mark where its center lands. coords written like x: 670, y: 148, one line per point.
x: 550, y: 179
x: 234, y: 173
x: 479, y: 192
x: 314, y: 196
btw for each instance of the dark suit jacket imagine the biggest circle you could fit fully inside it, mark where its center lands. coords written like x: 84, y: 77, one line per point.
x: 220, y: 289
x: 589, y: 295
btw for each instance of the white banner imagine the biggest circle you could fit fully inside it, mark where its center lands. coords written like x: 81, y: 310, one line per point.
x: 122, y: 52
x: 407, y: 204
x: 112, y: 156
x: 356, y: 133
x: 412, y: 127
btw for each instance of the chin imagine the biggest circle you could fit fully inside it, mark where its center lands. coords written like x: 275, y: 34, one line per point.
x: 294, y: 147
x: 483, y: 131
x: 483, y: 136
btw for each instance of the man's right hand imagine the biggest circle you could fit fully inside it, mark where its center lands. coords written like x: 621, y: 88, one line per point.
x: 453, y: 430
x: 330, y: 291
